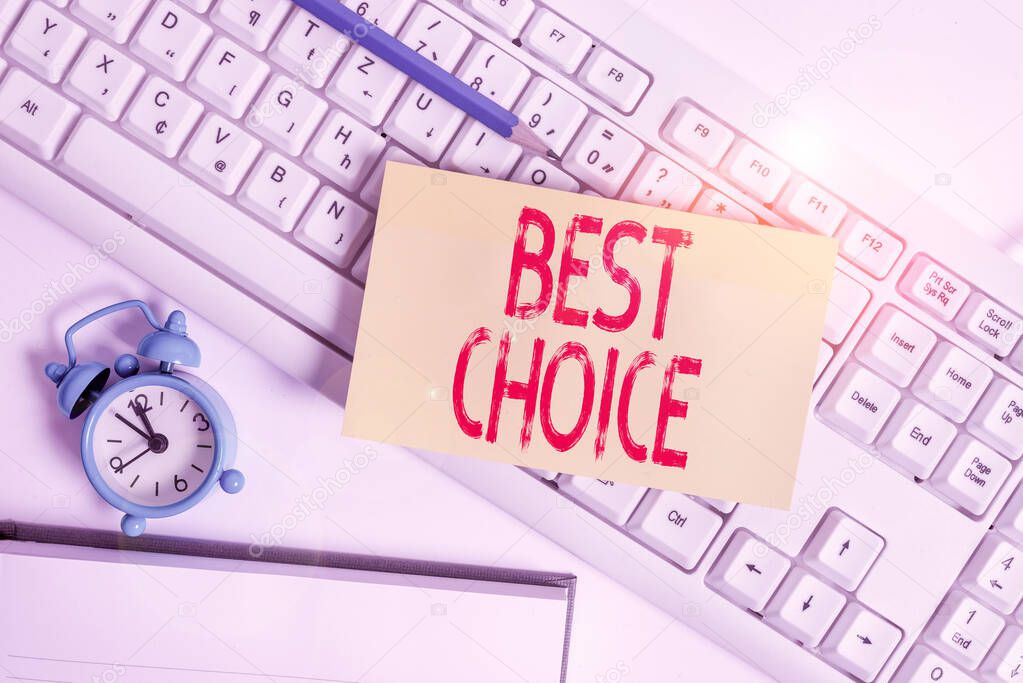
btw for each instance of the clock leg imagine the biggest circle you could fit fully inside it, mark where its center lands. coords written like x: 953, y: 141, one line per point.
x: 132, y: 525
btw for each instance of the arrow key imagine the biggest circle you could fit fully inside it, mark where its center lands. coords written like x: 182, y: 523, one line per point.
x: 1005, y: 661
x: 804, y: 607
x: 861, y: 642
x: 748, y: 571
x: 842, y: 549
x: 995, y: 574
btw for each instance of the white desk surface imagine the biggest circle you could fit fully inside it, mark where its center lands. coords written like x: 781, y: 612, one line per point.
x: 291, y: 451
x: 930, y: 94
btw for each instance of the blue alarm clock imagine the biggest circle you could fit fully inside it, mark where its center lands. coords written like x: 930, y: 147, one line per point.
x: 154, y: 443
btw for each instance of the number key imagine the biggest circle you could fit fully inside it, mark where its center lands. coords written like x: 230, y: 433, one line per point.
x: 552, y: 113
x: 603, y: 155
x: 995, y: 574
x: 507, y: 16
x: 493, y: 73
x: 963, y: 630
x: 387, y: 14
x: 436, y: 36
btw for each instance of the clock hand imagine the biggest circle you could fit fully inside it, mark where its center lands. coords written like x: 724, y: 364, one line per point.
x: 125, y: 421
x: 120, y: 469
x: 141, y: 412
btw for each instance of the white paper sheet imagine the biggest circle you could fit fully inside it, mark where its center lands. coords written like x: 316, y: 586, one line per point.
x: 87, y: 614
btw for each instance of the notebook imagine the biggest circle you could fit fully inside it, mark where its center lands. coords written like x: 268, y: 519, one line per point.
x: 81, y: 605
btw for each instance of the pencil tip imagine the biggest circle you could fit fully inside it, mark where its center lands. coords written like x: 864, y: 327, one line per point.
x: 526, y: 138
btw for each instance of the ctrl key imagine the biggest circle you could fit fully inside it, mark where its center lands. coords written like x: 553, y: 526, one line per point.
x: 861, y: 642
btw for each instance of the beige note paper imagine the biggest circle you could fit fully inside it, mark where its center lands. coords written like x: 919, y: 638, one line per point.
x: 589, y: 336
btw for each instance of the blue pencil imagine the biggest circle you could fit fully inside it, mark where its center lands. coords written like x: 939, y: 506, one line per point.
x: 425, y: 72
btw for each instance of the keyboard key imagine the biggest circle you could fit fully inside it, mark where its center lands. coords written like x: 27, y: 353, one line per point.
x: 228, y: 76
x: 32, y: 116
x: 286, y: 114
x: 806, y: 202
x: 995, y: 574
x: 723, y: 506
x: 676, y: 526
x: 197, y: 6
x: 998, y: 419
x: 220, y: 153
x: 45, y: 41
x: 103, y: 80
x: 115, y: 19
x: 824, y: 355
x: 846, y: 302
x: 366, y: 85
x: 334, y: 227
x: 614, y: 79
x: 371, y: 189
x: 480, y: 151
x: 661, y: 182
x: 171, y: 39
x: 963, y: 630
x: 169, y: 204
x: 895, y: 345
x: 1010, y: 521
x: 952, y: 381
x: 424, y: 122
x: 537, y: 171
x: 1004, y: 661
x: 804, y: 608
x: 916, y: 438
x: 971, y: 474
x: 607, y: 499
x: 387, y: 14
x: 758, y: 173
x: 493, y: 73
x: 436, y: 36
x: 9, y: 11
x: 842, y: 550
x: 162, y: 116
x: 345, y: 150
x: 254, y: 22
x: 507, y: 16
x: 860, y: 642
x: 602, y: 155
x: 934, y: 288
x: 924, y: 666
x: 308, y: 48
x: 871, y: 248
x: 714, y: 203
x: 552, y: 113
x: 698, y: 134
x: 748, y: 571
x: 556, y: 41
x: 859, y: 402
x: 277, y: 191
x: 993, y: 326
x: 360, y: 270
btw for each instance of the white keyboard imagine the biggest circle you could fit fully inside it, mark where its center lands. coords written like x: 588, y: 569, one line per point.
x: 250, y: 138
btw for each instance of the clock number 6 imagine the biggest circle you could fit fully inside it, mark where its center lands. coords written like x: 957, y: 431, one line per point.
x: 199, y: 417
x: 180, y: 484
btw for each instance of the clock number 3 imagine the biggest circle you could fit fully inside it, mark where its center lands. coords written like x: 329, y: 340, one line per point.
x: 200, y: 418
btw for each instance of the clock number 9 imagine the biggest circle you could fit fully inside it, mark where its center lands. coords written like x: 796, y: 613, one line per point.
x: 117, y: 464
x: 180, y: 484
x: 199, y: 417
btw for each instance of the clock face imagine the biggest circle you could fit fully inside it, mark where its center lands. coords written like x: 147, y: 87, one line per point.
x: 153, y: 445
